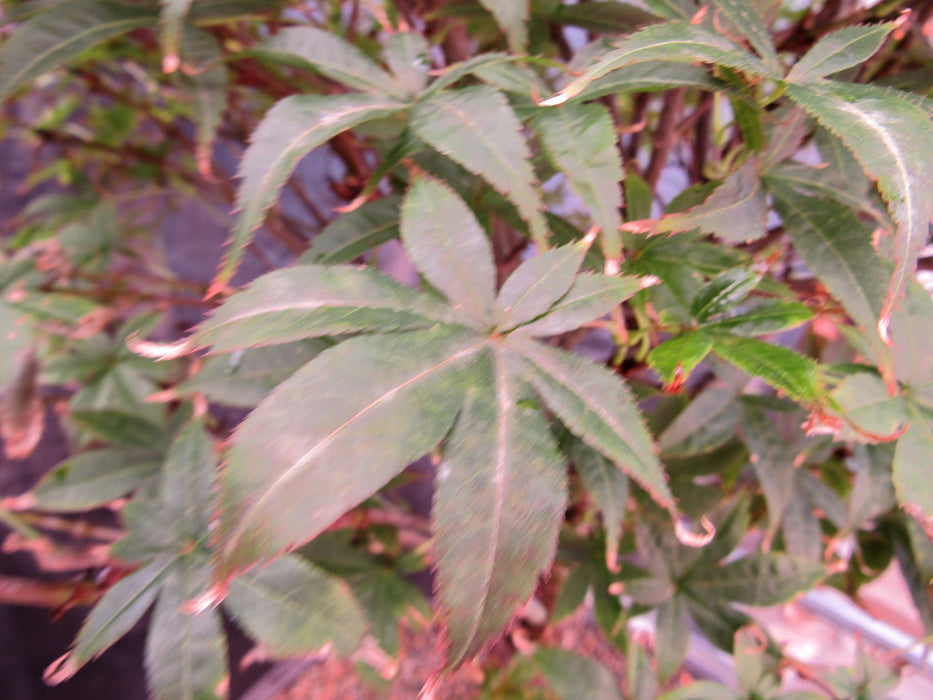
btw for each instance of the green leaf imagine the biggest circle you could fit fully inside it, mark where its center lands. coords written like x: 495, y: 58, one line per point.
x: 671, y: 638
x: 736, y: 211
x: 209, y: 94
x: 866, y: 402
x: 379, y: 403
x: 912, y: 471
x: 792, y: 179
x: 723, y: 292
x: 120, y: 427
x: 476, y: 128
x: 537, y: 284
x: 706, y: 423
x: 580, y: 139
x: 838, y: 50
x: 675, y: 358
x: 349, y: 236
x: 291, y: 129
x: 291, y: 607
x: 499, y: 504
x: 609, y: 488
x: 772, y: 458
x: 590, y: 296
x: 912, y: 332
x: 315, y: 300
x: 781, y: 368
x: 671, y: 41
x: 758, y: 316
x: 700, y: 690
x: 647, y: 77
x: 326, y: 53
x: 573, y: 676
x: 118, y: 610
x: 186, y: 655
x: 640, y: 677
x: 597, y: 406
x: 387, y: 599
x: 512, y: 16
x: 672, y: 9
x: 743, y: 15
x: 55, y: 37
x: 759, y: 579
x: 837, y: 247
x: 172, y: 21
x: 187, y: 481
x: 450, y: 248
x: 408, y: 56
x: 91, y: 479
x: 892, y: 138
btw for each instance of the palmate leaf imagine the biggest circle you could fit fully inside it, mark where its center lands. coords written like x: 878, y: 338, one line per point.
x: 498, y: 507
x: 291, y: 129
x: 186, y: 655
x: 512, y: 16
x: 315, y: 300
x: 844, y: 48
x: 892, y: 138
x: 53, y: 38
x: 325, y: 52
x: 759, y: 579
x: 448, y: 246
x: 671, y: 41
x: 580, y: 140
x: 477, y: 128
x: 358, y: 395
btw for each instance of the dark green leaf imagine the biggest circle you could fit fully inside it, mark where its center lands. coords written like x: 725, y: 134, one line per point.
x: 603, y: 17
x: 759, y: 579
x: 597, y: 406
x: 512, y: 16
x: 499, y: 502
x: 838, y: 50
x: 450, y: 248
x: 537, y: 284
x: 291, y: 607
x: 576, y: 677
x: 187, y: 481
x: 640, y: 677
x: 706, y: 423
x: 723, y: 292
x: 55, y: 37
x: 476, y: 127
x: 291, y: 129
x: 676, y: 358
x: 315, y: 300
x: 671, y: 638
x: 356, y: 232
x: 120, y: 428
x: 609, y: 488
x: 379, y: 403
x: 758, y: 316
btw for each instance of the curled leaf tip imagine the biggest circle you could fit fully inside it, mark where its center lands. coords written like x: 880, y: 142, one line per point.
x: 60, y: 670
x: 158, y: 351
x: 884, y: 324
x: 687, y: 537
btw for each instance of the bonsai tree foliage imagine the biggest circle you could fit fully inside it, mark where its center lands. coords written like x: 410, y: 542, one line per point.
x: 730, y: 199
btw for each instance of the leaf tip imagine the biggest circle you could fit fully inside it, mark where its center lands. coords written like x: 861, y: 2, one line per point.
x: 60, y: 670
x: 686, y: 536
x: 170, y: 63
x: 554, y: 100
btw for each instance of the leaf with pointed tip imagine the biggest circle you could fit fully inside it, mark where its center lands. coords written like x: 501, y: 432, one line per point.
x: 838, y: 50
x: 676, y: 358
x: 209, y: 82
x: 573, y: 676
x: 291, y: 607
x: 172, y: 21
x: 499, y: 503
x: 760, y: 579
x: 315, y: 300
x: 408, y: 56
x: 781, y: 368
x: 512, y: 16
x: 590, y: 296
x: 671, y: 41
x: 892, y: 138
x: 91, y: 479
x: 291, y: 129
x: 379, y: 402
x: 477, y: 128
x: 596, y: 405
x: 650, y: 76
x: 449, y: 247
x: 326, y: 53
x: 186, y: 656
x: 743, y: 16
x: 609, y: 488
x: 836, y: 245
x: 187, y: 481
x: 723, y: 292
x: 800, y: 179
x: 758, y: 316
x: 119, y: 609
x: 736, y: 211
x: 705, y: 424
x: 537, y: 285
x: 356, y: 232
x: 671, y: 641
x: 53, y: 38
x: 580, y: 139
x: 786, y: 129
